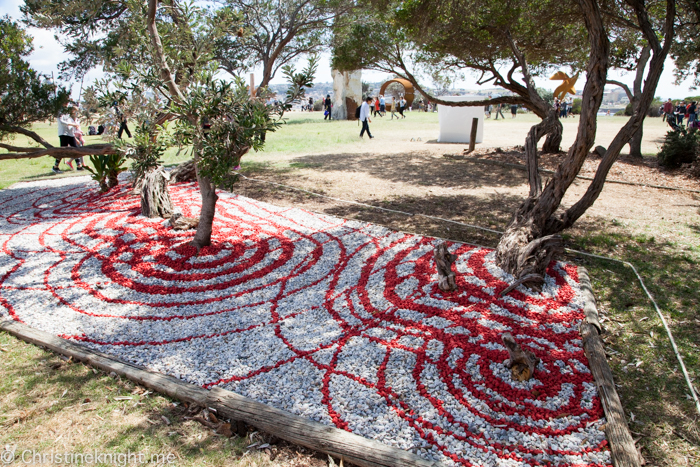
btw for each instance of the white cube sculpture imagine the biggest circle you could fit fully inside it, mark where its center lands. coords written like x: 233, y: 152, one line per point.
x: 456, y: 122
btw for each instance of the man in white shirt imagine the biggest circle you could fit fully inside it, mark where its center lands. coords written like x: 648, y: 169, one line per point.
x: 364, y: 117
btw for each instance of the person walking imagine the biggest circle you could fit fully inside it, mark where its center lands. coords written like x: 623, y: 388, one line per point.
x: 364, y: 117
x: 121, y: 118
x: 402, y: 106
x: 499, y: 111
x: 376, y: 108
x: 327, y: 106
x: 668, y: 110
x: 513, y: 110
x: 66, y: 134
x: 382, y: 105
x: 393, y: 108
x: 680, y: 113
x: 692, y: 113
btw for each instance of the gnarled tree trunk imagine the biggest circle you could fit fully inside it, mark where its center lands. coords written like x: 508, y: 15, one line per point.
x: 530, y: 241
x: 552, y: 144
x: 185, y: 172
x: 155, y: 197
x: 206, y: 216
x: 526, y: 248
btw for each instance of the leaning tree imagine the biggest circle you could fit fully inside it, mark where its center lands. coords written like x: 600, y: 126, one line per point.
x: 26, y: 97
x: 532, y: 238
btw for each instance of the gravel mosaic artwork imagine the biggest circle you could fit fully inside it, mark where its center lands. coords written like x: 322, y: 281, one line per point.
x: 335, y: 320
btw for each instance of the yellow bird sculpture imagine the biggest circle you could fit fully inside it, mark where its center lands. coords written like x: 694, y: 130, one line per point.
x: 567, y: 86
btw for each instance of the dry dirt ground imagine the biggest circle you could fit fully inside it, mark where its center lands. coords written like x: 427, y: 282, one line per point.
x: 405, y: 166
x: 470, y: 191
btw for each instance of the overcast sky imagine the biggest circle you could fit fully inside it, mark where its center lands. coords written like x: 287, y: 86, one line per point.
x: 48, y: 53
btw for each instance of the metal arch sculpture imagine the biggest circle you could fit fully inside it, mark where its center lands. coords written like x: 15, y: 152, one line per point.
x: 409, y: 92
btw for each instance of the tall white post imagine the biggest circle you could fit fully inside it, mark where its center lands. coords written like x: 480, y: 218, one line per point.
x: 347, y: 93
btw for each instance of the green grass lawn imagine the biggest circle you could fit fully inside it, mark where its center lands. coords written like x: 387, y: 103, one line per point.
x: 308, y: 133
x: 301, y: 133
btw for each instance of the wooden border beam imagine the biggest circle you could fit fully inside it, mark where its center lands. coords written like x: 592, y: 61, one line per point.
x: 624, y: 452
x: 338, y: 443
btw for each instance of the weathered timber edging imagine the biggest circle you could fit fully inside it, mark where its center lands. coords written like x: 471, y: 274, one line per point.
x: 338, y: 443
x: 461, y: 157
x: 622, y: 448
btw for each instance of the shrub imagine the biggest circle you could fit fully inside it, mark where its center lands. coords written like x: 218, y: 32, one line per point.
x: 318, y: 105
x: 680, y: 147
x: 576, y: 106
x: 106, y: 170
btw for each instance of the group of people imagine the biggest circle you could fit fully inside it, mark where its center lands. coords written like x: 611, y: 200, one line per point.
x: 397, y: 106
x: 499, y: 110
x: 563, y: 107
x: 675, y: 114
x: 373, y: 106
x: 69, y: 134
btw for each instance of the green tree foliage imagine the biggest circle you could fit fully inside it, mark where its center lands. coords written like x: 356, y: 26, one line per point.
x: 686, y: 49
x: 233, y: 35
x: 25, y: 96
x: 277, y: 33
x: 423, y: 37
x: 113, y: 34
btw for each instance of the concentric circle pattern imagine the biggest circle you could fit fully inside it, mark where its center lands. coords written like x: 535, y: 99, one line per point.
x: 334, y: 320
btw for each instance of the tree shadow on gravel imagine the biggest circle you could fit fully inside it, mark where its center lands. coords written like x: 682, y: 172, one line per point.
x: 491, y: 211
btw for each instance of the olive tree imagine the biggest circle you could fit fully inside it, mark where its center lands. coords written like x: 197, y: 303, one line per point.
x: 220, y: 119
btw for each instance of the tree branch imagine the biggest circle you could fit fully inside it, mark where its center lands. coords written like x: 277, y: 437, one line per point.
x: 25, y: 132
x: 17, y: 148
x: 61, y: 152
x: 624, y: 87
x: 165, y: 73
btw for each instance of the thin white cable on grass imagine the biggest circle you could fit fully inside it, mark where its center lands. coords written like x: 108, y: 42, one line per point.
x: 658, y: 311
x: 663, y: 320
